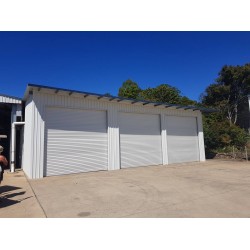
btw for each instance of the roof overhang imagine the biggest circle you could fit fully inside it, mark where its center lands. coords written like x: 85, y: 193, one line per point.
x: 10, y: 99
x: 61, y: 91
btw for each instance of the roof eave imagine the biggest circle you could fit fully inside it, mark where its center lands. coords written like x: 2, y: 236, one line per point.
x: 31, y: 87
x: 16, y: 100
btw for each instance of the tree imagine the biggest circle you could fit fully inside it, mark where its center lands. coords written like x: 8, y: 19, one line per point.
x: 229, y: 93
x: 129, y: 89
x: 186, y: 101
x: 163, y: 93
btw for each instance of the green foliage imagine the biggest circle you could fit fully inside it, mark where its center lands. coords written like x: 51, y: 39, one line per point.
x: 129, y: 89
x: 216, y: 95
x: 163, y: 93
x: 229, y: 94
x: 220, y: 135
x: 187, y: 102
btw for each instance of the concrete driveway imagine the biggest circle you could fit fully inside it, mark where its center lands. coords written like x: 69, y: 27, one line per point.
x: 17, y: 200
x: 211, y: 189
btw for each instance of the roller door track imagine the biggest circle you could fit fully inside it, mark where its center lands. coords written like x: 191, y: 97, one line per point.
x: 182, y: 138
x: 77, y: 141
x: 140, y: 140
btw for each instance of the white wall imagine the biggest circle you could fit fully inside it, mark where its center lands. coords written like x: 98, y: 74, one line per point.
x: 28, y: 143
x: 36, y: 116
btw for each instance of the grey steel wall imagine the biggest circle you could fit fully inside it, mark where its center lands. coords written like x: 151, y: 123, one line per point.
x: 35, y: 141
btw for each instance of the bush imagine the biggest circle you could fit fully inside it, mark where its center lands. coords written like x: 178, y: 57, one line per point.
x: 219, y: 135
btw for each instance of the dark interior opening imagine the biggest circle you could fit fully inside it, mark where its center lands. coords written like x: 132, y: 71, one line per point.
x: 5, y: 128
x: 19, y: 143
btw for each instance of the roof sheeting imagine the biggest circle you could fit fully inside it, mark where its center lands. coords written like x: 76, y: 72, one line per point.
x: 10, y: 99
x: 110, y: 98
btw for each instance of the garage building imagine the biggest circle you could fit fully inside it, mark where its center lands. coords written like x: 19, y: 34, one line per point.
x: 70, y: 132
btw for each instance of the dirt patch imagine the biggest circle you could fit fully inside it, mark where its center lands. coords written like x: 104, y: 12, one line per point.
x: 84, y: 214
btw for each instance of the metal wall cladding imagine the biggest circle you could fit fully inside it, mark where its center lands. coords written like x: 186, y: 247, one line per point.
x: 7, y: 99
x: 140, y: 140
x: 182, y: 139
x: 36, y: 122
x: 28, y: 138
x: 77, y: 141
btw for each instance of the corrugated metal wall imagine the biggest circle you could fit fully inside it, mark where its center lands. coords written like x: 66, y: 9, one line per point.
x: 28, y: 140
x: 7, y: 99
x: 35, y: 123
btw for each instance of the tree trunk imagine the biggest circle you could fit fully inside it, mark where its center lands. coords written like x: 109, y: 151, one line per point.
x: 229, y: 117
x: 236, y: 115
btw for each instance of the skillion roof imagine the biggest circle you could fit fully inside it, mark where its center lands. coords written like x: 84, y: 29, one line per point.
x: 10, y: 99
x: 54, y: 90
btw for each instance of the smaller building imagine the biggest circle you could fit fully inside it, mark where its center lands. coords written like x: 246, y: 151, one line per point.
x: 11, y: 111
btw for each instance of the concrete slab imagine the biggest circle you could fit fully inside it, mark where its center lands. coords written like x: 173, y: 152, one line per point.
x: 214, y: 189
x: 17, y: 199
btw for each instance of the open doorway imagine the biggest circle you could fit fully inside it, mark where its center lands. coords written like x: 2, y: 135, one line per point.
x: 5, y: 128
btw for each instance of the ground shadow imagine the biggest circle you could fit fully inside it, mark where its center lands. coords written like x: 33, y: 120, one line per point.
x: 6, y: 193
x: 5, y: 189
x: 8, y: 196
x: 210, y: 154
x: 7, y: 202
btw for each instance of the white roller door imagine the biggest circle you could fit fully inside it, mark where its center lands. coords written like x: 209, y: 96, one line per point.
x: 182, y: 138
x: 140, y: 140
x: 77, y: 141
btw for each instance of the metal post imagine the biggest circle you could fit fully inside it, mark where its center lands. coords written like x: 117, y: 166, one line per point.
x: 12, y: 135
x: 246, y: 153
x: 13, y: 148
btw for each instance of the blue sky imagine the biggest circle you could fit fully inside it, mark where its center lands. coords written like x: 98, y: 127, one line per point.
x: 100, y: 62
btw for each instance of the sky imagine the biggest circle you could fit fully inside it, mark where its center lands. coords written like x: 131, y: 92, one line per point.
x: 99, y: 62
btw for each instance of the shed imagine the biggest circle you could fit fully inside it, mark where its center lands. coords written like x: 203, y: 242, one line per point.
x: 11, y: 138
x: 69, y: 131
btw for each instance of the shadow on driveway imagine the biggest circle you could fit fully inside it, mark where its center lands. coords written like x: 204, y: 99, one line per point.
x: 7, y: 193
